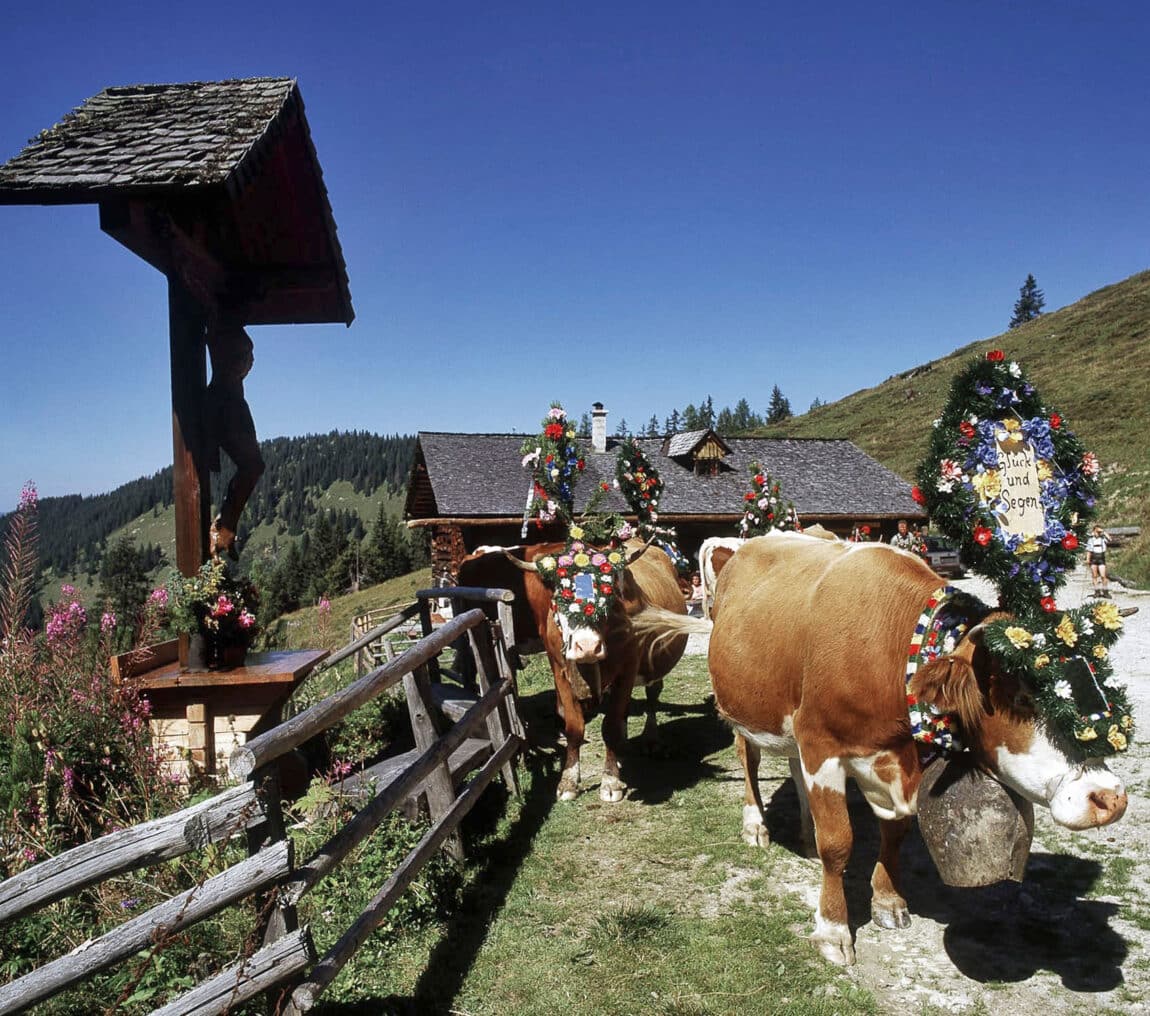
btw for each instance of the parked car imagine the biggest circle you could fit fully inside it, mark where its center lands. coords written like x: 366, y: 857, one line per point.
x: 943, y: 558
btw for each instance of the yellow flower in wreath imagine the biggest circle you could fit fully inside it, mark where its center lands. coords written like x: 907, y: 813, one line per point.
x: 1066, y: 631
x: 1100, y: 652
x: 614, y: 557
x: 1020, y: 638
x: 1044, y: 470
x: 1041, y: 661
x: 576, y: 532
x: 988, y: 484
x: 582, y: 560
x: 1127, y: 722
x: 1087, y: 734
x: 1116, y: 737
x: 1106, y: 614
x: 1028, y: 546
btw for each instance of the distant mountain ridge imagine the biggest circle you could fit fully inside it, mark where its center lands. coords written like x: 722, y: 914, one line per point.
x: 74, y: 529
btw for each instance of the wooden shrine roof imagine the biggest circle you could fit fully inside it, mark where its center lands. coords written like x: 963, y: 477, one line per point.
x: 479, y: 475
x: 229, y: 163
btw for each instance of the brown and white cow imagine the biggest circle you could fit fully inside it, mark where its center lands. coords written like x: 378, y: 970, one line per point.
x: 808, y: 657
x: 614, y: 657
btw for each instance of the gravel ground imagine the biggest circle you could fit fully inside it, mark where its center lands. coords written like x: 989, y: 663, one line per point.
x: 1074, y: 937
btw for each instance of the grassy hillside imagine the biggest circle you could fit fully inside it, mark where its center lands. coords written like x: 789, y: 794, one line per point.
x: 1090, y: 361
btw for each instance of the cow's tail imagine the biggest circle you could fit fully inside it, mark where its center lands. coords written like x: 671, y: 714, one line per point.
x: 660, y: 624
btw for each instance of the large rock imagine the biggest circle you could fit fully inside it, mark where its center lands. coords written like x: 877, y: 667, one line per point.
x: 978, y: 832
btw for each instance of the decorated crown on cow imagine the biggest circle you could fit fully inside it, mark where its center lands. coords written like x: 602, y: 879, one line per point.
x: 1007, y: 480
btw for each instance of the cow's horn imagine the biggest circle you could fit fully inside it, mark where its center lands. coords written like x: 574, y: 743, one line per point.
x: 641, y: 551
x: 1127, y: 611
x: 977, y: 633
x: 521, y: 565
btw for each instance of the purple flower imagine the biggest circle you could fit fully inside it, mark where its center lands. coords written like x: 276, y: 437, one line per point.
x: 107, y: 622
x: 28, y: 497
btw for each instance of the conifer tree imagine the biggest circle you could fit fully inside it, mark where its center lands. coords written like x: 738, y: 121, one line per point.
x: 1029, y: 304
x: 779, y: 408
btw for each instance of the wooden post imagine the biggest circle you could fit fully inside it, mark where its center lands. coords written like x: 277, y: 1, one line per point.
x: 440, y: 790
x: 497, y: 720
x: 191, y: 481
x: 201, y: 736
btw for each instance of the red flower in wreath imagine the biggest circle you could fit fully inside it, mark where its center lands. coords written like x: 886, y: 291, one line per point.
x: 589, y: 609
x: 606, y: 590
x: 605, y: 568
x: 1055, y: 421
x: 604, y: 486
x: 1047, y: 604
x: 1070, y: 542
x: 917, y: 495
x: 760, y: 479
x: 866, y: 530
x: 996, y: 356
x: 982, y: 535
x: 749, y: 497
x: 580, y: 465
x: 966, y: 428
x: 554, y: 430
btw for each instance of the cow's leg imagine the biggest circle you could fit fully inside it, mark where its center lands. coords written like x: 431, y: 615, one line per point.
x: 888, y: 908
x: 826, y: 788
x: 612, y: 789
x: 649, y: 738
x: 573, y: 728
x: 806, y: 825
x: 754, y: 819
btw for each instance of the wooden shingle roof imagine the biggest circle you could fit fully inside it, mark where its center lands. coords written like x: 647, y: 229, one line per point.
x: 236, y: 155
x: 463, y: 476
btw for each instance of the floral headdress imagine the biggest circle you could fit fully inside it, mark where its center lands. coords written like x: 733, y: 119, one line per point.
x: 994, y: 415
x: 556, y: 463
x: 1007, y: 479
x: 764, y: 508
x: 585, y: 579
x: 1067, y: 657
x: 640, y: 484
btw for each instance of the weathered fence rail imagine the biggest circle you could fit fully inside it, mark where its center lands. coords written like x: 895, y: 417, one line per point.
x: 485, y: 732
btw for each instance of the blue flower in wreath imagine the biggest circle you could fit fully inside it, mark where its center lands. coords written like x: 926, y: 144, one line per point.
x: 1037, y: 432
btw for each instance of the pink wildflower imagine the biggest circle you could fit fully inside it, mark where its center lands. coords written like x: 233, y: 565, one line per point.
x: 28, y: 497
x: 107, y: 622
x: 67, y: 590
x: 28, y: 854
x: 158, y: 597
x: 324, y: 606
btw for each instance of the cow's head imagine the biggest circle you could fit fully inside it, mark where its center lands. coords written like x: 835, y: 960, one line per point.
x: 1013, y: 739
x: 588, y: 586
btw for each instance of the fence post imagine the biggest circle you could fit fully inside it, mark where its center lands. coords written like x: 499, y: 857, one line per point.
x: 504, y: 642
x: 275, y: 920
x: 440, y: 788
x: 486, y: 668
x: 425, y: 625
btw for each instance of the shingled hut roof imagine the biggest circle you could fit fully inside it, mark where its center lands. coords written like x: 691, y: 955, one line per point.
x: 238, y: 154
x: 463, y: 476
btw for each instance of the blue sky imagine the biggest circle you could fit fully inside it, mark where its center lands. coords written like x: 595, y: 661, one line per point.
x: 641, y: 204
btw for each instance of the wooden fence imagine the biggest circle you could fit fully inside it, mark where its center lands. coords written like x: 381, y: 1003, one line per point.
x: 450, y: 767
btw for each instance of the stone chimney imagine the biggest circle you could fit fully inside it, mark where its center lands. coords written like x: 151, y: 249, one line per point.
x: 598, y: 427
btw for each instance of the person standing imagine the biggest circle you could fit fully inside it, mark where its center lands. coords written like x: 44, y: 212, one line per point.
x: 1096, y: 558
x: 904, y: 539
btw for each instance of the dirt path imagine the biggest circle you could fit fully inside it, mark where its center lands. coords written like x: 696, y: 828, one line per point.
x: 1073, y: 938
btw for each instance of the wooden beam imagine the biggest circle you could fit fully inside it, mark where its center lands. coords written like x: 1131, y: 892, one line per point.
x: 191, y: 480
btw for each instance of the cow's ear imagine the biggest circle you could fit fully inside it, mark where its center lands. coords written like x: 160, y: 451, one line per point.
x: 949, y: 684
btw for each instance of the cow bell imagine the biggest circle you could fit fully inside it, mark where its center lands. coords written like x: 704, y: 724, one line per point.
x: 977, y: 831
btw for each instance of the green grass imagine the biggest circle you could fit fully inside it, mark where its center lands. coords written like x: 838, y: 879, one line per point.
x: 1088, y: 360
x: 590, y: 908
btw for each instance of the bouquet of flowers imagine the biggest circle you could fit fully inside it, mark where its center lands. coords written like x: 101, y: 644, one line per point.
x: 556, y: 463
x: 215, y: 604
x: 764, y: 508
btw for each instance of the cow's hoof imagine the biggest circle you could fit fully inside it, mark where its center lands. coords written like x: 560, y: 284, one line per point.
x: 890, y: 917
x: 612, y: 789
x: 754, y: 830
x: 834, y: 942
x: 568, y: 785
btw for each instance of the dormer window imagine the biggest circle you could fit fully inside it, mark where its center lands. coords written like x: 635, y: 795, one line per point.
x: 702, y: 450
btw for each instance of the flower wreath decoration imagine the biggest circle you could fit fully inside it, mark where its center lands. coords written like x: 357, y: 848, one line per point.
x: 764, y: 507
x: 995, y: 414
x: 585, y: 580
x: 639, y: 482
x: 556, y: 463
x: 1067, y: 657
x: 641, y: 485
x: 998, y: 455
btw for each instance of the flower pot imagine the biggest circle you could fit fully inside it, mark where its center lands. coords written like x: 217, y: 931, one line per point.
x: 197, y: 652
x: 230, y: 657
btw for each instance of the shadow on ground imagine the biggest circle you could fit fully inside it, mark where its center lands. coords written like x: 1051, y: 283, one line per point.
x: 1003, y: 932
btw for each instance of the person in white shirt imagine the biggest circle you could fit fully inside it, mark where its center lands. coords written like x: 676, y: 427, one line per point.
x: 904, y: 539
x: 1096, y: 558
